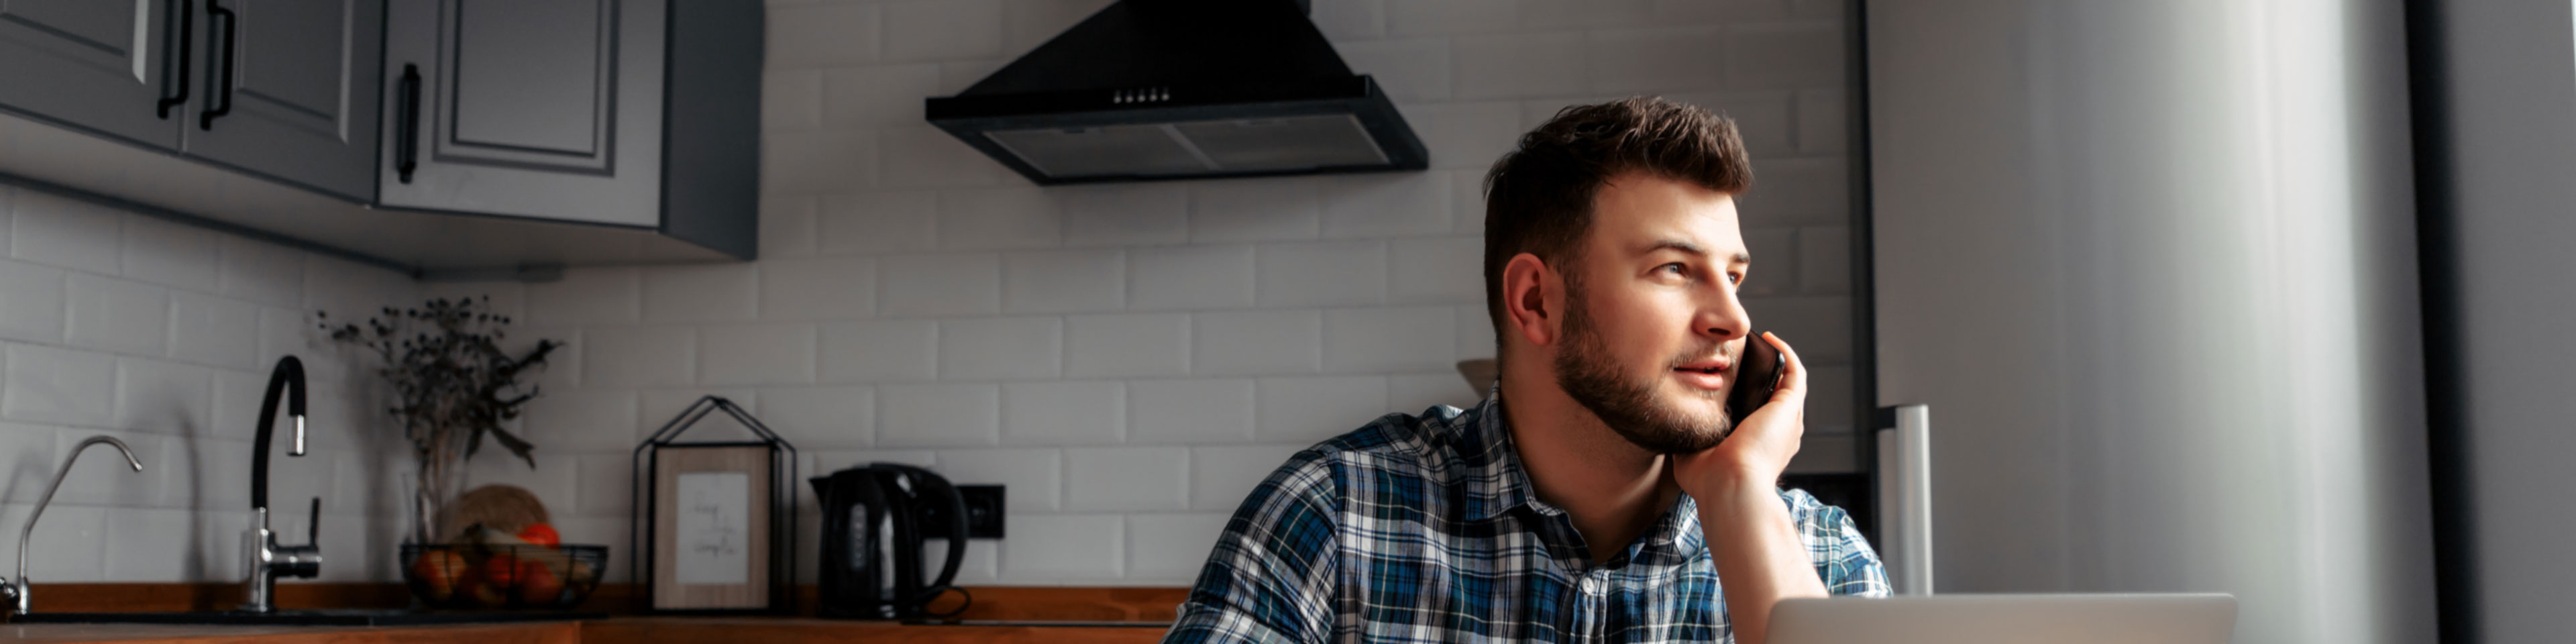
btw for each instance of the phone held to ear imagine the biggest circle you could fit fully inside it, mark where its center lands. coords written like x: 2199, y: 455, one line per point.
x: 1757, y: 375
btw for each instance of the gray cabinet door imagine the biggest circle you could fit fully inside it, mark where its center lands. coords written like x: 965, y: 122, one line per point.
x: 95, y: 65
x: 549, y: 109
x: 290, y: 91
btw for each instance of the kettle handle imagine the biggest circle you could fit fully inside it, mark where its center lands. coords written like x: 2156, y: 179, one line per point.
x: 933, y: 488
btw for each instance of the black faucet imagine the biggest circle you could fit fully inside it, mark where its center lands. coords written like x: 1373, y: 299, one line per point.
x: 266, y: 560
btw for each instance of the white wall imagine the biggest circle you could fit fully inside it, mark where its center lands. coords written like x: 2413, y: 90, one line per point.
x: 162, y: 335
x: 2510, y: 84
x: 2152, y: 266
x: 1130, y: 359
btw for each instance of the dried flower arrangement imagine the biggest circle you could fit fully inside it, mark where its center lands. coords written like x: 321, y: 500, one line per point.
x: 453, y: 384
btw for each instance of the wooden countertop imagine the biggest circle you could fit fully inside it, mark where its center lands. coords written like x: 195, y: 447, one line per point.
x: 641, y: 630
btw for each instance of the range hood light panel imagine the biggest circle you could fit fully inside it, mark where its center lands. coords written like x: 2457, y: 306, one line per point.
x: 1221, y: 146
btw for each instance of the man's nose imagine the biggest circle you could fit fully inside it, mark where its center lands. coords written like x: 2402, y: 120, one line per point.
x: 1723, y: 316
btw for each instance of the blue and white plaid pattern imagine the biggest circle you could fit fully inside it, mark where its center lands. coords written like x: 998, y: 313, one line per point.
x: 1425, y: 529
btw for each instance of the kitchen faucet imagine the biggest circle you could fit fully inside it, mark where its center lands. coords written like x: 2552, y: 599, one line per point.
x: 262, y: 555
x: 16, y: 591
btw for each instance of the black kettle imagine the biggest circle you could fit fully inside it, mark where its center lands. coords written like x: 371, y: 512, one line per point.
x: 882, y: 512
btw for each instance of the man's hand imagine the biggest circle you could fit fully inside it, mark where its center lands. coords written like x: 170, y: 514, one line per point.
x: 1760, y: 559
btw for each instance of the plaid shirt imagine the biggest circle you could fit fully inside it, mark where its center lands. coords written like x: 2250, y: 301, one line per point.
x: 1425, y: 529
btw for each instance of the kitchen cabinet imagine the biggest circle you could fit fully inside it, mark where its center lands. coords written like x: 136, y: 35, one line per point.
x: 284, y: 89
x: 638, y: 113
x: 96, y: 66
x: 289, y: 91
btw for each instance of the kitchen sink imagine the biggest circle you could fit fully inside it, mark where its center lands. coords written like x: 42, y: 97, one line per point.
x: 342, y: 617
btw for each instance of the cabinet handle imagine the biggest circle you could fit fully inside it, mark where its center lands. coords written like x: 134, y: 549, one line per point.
x: 206, y: 119
x: 187, y: 16
x: 407, y: 140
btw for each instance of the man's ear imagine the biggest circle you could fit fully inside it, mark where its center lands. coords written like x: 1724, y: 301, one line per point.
x: 1533, y: 299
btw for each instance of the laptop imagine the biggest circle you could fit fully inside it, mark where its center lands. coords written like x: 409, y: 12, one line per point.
x: 2007, y: 619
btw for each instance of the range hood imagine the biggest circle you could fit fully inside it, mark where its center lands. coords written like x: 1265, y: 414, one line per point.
x: 1182, y: 89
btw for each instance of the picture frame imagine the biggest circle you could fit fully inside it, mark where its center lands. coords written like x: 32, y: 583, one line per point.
x: 714, y: 522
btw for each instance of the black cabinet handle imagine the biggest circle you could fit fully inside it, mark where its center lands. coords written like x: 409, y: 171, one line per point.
x: 407, y: 139
x: 220, y: 102
x: 187, y: 15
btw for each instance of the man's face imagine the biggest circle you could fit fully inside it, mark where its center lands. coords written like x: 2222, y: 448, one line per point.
x: 1652, y: 325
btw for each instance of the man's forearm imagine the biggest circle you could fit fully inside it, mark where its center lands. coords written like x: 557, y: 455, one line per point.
x: 1759, y: 558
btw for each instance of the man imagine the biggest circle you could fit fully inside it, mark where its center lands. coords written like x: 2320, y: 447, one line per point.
x: 1601, y: 492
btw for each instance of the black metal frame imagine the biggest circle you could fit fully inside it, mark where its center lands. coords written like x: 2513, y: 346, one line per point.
x: 782, y: 507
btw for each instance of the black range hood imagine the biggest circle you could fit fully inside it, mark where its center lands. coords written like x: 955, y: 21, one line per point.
x: 1182, y: 89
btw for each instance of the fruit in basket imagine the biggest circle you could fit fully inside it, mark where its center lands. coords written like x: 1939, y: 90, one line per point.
x: 439, y: 571
x: 494, y: 580
x: 538, y: 584
x: 541, y: 534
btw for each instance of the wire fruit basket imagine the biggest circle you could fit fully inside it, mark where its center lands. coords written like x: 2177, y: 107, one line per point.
x: 482, y: 576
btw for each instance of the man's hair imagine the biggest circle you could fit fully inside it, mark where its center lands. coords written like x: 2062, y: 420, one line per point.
x: 1538, y: 197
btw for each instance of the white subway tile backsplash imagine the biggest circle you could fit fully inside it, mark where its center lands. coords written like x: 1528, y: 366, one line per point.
x: 1824, y: 260
x: 1348, y: 20
x: 1655, y: 59
x: 1206, y: 410
x: 787, y: 226
x: 939, y: 415
x: 603, y: 484
x: 164, y: 397
x: 1079, y: 547
x: 880, y: 351
x: 260, y: 272
x: 1437, y: 17
x: 819, y: 162
x: 1222, y: 475
x: 1069, y: 412
x: 72, y: 541
x: 989, y: 218
x: 1774, y: 270
x: 1064, y: 281
x: 1824, y: 125
x: 1256, y: 342
x: 150, y: 545
x: 1586, y: 13
x: 1395, y: 339
x: 657, y: 408
x: 1126, y: 478
x: 587, y: 295
x: 877, y: 96
x: 54, y: 385
x: 828, y: 288
x: 168, y: 253
x: 1170, y: 548
x: 31, y: 302
x: 701, y: 293
x: 1465, y: 135
x: 110, y: 314
x: 943, y: 29
x: 1322, y: 273
x: 756, y: 354
x: 1030, y: 478
x: 1699, y: 11
x: 656, y: 356
x: 878, y: 222
x: 1026, y: 23
x: 791, y: 100
x: 1240, y: 210
x: 821, y: 35
x: 926, y: 157
x: 1190, y: 277
x: 1520, y: 65
x: 939, y: 285
x: 1476, y: 333
x: 105, y: 479
x: 829, y: 461
x: 63, y: 232
x: 1145, y: 344
x: 1384, y: 205
x: 211, y: 331
x: 1125, y: 214
x: 581, y: 420
x: 1001, y: 348
x: 1408, y: 70
x: 821, y: 417
x: 1762, y: 120
x: 957, y: 75
x: 26, y: 461
x: 1467, y: 201
x: 1414, y: 393
x: 1436, y: 270
x: 1311, y: 409
x: 1784, y: 56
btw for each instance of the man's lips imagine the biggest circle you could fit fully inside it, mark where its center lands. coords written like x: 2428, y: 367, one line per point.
x: 1704, y: 374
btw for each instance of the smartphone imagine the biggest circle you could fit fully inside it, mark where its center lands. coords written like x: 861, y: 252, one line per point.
x: 1757, y: 374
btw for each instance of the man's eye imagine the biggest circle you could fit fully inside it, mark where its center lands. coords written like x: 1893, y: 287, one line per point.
x: 1735, y: 278
x: 1675, y: 268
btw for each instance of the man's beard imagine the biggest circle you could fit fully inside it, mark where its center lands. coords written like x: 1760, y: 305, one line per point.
x: 1587, y: 373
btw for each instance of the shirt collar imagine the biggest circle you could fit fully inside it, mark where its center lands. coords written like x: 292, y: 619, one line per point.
x: 1496, y: 482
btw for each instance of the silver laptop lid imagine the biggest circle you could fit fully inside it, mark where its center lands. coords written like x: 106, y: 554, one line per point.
x: 2008, y: 619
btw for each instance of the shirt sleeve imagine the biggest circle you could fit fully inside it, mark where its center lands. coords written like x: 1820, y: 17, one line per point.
x: 1271, y: 577
x: 1844, y: 559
